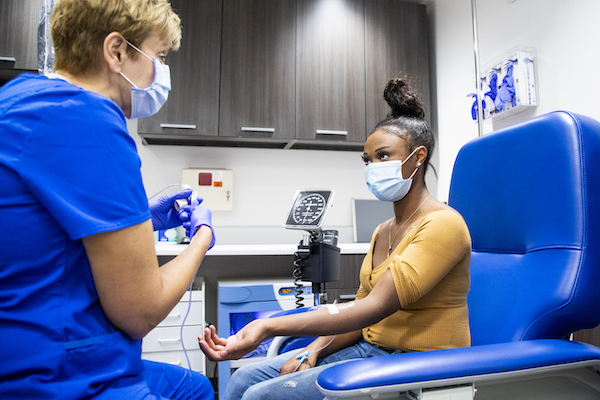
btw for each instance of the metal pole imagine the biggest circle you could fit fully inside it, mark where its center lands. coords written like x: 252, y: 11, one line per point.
x: 478, y: 92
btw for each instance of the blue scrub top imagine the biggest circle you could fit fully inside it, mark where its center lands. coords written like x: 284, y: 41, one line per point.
x: 68, y: 169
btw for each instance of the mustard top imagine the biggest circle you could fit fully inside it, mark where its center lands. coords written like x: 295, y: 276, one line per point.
x: 430, y: 268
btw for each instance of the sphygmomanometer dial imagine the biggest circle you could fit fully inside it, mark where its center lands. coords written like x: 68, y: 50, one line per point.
x: 309, y: 209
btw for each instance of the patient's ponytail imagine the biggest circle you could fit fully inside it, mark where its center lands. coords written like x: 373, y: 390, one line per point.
x: 406, y: 118
x: 402, y: 100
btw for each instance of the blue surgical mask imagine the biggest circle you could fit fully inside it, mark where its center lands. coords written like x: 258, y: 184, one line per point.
x: 385, y: 179
x: 148, y: 101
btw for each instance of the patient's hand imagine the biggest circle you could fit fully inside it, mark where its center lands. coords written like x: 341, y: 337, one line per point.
x: 295, y: 364
x: 234, y: 347
x: 212, y: 345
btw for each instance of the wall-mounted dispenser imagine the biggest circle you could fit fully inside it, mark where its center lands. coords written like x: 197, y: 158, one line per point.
x: 215, y: 186
x: 508, y: 85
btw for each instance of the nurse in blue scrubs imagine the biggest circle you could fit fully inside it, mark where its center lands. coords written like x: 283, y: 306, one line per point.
x: 80, y: 284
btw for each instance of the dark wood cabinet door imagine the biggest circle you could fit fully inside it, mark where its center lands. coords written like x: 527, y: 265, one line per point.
x: 257, y: 70
x: 330, y: 70
x: 18, y: 31
x: 396, y: 43
x: 193, y: 104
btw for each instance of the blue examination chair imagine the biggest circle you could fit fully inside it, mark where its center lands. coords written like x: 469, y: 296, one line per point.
x: 530, y: 194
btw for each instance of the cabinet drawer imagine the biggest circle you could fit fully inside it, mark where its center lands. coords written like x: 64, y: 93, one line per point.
x: 167, y: 338
x: 178, y: 358
x: 175, y: 317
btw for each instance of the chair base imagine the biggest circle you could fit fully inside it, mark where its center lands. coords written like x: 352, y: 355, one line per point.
x: 465, y: 392
x: 580, y: 383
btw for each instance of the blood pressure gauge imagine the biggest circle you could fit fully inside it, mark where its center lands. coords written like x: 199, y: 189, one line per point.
x: 308, y: 209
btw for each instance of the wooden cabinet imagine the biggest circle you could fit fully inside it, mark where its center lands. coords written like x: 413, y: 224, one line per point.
x: 396, y: 43
x: 18, y: 30
x: 193, y: 105
x: 330, y: 72
x: 257, y: 69
x: 591, y: 336
x: 300, y: 74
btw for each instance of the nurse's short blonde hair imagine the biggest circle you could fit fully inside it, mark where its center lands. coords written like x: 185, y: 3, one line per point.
x: 79, y: 28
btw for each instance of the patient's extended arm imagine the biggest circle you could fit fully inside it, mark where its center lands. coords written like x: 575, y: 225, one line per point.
x: 329, y: 320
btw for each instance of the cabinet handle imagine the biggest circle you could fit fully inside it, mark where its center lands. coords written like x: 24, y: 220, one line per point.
x: 253, y: 129
x: 257, y: 129
x: 168, y: 340
x: 256, y: 132
x: 174, y: 315
x: 326, y: 132
x: 178, y: 126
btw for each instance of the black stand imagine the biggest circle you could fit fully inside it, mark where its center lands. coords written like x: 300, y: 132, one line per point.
x: 318, y: 261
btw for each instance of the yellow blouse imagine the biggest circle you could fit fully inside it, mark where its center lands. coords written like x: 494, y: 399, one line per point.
x: 430, y: 268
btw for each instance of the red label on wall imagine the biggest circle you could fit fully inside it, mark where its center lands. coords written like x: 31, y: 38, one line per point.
x: 204, y: 179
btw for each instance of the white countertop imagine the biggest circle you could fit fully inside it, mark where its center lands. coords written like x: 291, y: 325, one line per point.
x: 256, y: 249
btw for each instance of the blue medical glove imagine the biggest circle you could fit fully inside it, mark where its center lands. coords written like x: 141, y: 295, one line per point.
x: 164, y: 215
x: 198, y: 216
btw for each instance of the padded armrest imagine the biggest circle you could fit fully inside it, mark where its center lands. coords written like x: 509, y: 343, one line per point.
x: 428, y: 369
x: 283, y: 313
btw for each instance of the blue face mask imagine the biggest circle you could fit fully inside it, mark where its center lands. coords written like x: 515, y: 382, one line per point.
x: 148, y: 101
x: 385, y: 179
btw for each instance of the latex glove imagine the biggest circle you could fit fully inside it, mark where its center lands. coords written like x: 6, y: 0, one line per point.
x: 198, y: 216
x: 164, y: 215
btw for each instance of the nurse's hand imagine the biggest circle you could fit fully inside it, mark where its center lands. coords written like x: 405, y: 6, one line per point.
x: 198, y: 216
x: 164, y: 215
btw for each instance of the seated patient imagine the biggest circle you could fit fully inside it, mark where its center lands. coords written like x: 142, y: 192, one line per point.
x: 413, y: 281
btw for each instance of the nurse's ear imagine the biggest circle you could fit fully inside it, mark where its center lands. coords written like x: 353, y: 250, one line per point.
x: 114, y: 50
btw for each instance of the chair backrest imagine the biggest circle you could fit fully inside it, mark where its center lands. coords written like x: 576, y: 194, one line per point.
x: 530, y: 195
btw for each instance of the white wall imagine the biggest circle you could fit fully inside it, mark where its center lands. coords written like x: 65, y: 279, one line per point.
x: 565, y: 36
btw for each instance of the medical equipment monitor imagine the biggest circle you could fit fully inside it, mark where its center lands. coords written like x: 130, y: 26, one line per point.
x: 367, y: 215
x: 308, y: 209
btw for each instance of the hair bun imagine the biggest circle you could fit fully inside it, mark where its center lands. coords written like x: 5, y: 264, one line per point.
x: 402, y: 99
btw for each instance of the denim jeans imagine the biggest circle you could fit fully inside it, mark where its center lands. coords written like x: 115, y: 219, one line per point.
x: 262, y: 380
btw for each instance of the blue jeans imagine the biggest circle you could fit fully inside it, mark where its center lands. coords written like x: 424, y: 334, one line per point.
x: 173, y: 382
x: 262, y: 380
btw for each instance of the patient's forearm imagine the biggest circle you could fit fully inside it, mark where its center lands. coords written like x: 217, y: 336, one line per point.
x: 340, y: 318
x: 322, y: 322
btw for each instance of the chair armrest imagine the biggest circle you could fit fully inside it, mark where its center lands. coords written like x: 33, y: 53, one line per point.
x: 409, y: 371
x: 283, y: 344
x: 283, y: 313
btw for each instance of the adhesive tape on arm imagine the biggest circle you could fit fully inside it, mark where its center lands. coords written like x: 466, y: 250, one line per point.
x: 332, y: 308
